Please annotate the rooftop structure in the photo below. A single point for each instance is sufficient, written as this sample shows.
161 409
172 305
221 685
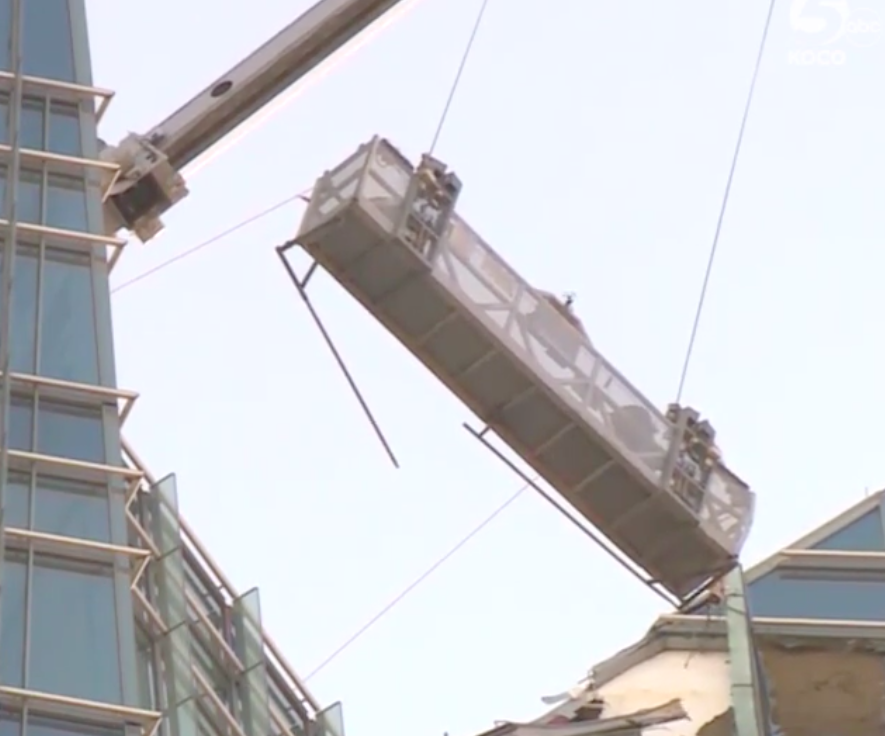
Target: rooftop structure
818 621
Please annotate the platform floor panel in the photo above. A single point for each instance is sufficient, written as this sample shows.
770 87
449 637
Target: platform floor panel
526 372
392 285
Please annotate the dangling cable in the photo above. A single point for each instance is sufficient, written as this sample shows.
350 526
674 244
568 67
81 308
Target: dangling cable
458 75
715 246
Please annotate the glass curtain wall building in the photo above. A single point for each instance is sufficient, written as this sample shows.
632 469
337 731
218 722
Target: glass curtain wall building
113 621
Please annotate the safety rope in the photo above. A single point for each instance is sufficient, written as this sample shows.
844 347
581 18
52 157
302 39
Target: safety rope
715 246
454 89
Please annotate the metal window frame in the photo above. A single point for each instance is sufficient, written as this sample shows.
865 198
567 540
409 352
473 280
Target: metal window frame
75 94
278 669
62 163
76 470
62 706
72 392
828 561
232 664
69 92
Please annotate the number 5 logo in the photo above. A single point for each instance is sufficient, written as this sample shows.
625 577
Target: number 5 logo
819 16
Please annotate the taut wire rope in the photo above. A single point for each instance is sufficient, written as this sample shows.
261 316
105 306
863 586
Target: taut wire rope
714 248
301 195
460 73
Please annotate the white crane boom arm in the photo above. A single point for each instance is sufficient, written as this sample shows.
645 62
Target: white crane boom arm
150 182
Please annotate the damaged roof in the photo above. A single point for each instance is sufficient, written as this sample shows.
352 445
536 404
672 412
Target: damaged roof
634 722
703 630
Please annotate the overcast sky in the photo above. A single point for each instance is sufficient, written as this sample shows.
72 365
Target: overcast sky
593 139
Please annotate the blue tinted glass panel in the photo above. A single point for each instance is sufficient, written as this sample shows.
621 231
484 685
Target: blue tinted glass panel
5 33
862 535
21 424
64 130
47 42
24 310
33 124
30 185
10 723
28 204
73 631
68 347
837 596
23 339
16 504
72 509
12 622
68 431
38 726
66 203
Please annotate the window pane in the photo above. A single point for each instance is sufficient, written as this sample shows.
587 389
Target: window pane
787 595
16 503
68 431
5 33
863 535
30 184
144 654
66 203
67 344
21 424
33 124
40 726
23 337
12 622
72 509
73 631
28 203
47 41
24 310
64 130
10 723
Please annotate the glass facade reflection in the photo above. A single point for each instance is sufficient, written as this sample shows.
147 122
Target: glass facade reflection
113 621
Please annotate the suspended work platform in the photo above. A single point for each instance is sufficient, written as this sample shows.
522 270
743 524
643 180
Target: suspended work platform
387 231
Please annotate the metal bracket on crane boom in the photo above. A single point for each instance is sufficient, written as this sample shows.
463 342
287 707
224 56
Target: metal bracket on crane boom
146 185
149 181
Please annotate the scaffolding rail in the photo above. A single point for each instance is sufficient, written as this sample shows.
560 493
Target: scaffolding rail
388 232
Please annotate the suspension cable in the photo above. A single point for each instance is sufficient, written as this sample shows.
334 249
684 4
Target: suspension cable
230 231
214 239
396 600
458 75
715 245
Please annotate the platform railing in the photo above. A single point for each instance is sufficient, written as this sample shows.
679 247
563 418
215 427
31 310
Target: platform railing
558 353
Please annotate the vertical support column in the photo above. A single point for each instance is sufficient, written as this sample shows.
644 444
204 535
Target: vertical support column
252 685
180 704
745 699
7 250
2 547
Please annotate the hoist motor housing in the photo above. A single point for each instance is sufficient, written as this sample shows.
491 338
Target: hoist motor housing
144 187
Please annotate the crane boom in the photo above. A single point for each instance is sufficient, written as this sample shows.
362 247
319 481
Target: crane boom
150 182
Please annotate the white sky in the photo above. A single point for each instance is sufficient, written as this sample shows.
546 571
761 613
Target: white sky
594 140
